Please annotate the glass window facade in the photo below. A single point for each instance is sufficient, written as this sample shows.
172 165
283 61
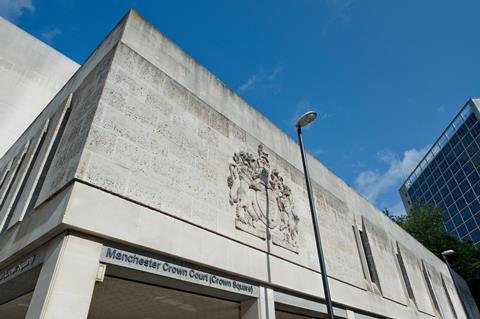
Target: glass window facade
450 178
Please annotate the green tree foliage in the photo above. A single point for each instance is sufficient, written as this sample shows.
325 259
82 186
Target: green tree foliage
424 222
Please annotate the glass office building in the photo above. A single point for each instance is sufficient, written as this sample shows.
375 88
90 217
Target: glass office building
449 175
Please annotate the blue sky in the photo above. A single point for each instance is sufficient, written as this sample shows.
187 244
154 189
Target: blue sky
385 76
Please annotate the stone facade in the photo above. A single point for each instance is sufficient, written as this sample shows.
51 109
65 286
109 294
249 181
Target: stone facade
155 153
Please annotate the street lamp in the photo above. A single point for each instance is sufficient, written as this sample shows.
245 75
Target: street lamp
304 120
444 255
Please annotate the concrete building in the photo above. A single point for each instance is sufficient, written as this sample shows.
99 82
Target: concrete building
148 189
31 73
449 175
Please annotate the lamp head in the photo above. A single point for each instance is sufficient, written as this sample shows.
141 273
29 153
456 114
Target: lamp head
448 253
306 119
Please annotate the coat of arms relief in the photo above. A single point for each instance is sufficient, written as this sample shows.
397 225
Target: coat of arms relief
263 203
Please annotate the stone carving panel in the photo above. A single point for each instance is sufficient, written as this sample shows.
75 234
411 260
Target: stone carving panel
263 204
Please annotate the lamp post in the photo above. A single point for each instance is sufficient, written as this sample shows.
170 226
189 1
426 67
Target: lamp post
445 254
304 120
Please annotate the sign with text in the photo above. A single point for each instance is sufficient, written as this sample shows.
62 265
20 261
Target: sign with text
22 266
162 267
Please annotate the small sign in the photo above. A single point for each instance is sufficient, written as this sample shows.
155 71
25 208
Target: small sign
20 267
162 267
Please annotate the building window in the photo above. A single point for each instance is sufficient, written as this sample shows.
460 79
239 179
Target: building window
472 149
370 263
462 230
473 178
469 196
4 176
361 254
475 236
403 270
50 153
450 303
11 181
428 282
471 225
468 167
30 163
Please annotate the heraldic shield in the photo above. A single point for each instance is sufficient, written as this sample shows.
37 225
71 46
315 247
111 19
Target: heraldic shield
263 204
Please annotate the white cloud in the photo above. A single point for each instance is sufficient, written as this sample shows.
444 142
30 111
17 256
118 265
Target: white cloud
14 9
341 7
50 34
373 183
259 77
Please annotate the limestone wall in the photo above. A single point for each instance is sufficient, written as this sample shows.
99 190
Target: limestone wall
165 135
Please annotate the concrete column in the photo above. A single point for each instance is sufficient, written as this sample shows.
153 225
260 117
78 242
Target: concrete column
261 308
65 285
